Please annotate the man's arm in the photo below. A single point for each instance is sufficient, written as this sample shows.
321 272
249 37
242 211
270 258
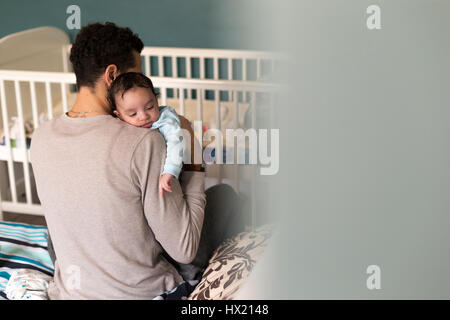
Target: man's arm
176 218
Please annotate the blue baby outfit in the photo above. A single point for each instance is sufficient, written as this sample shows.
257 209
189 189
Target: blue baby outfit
169 126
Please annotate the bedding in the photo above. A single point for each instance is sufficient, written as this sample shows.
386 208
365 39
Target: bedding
231 264
23 246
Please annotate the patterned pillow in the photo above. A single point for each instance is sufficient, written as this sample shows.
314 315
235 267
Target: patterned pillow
231 265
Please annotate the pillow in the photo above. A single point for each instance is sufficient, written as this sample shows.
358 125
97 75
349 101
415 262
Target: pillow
231 264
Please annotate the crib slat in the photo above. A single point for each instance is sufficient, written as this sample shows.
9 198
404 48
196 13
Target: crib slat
176 91
258 69
64 96
160 66
11 175
244 77
34 105
188 68
164 96
200 118
188 75
216 71
48 93
202 72
218 116
216 68
235 165
271 109
200 105
147 66
253 167
174 67
236 114
202 67
65 59
182 110
252 109
230 77
219 151
23 141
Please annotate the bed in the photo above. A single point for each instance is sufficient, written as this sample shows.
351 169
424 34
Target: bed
215 89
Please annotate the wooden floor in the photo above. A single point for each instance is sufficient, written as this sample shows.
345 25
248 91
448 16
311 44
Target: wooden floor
24 218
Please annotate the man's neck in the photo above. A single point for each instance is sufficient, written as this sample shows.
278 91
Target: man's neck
90 103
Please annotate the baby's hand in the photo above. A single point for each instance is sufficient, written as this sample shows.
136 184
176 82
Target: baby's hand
165 183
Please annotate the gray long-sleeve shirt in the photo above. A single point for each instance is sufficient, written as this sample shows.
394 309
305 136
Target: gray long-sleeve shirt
97 180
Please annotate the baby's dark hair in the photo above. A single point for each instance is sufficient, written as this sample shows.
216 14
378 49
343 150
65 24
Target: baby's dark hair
125 82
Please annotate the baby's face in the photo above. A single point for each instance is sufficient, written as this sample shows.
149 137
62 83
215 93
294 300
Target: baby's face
138 107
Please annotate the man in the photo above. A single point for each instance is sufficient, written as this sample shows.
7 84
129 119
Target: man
97 180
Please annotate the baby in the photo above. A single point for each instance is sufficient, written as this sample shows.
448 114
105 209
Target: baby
133 100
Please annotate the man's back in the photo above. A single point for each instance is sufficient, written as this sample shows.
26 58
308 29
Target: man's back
97 181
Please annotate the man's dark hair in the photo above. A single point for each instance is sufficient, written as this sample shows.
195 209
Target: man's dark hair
99 45
125 82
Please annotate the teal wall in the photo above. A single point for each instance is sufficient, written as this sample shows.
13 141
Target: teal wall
176 23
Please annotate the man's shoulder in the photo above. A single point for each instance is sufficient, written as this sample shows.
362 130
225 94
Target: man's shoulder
150 137
129 132
42 130
131 138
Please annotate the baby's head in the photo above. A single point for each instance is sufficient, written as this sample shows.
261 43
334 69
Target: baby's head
133 99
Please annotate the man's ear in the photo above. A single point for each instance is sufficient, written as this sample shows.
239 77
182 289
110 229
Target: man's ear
111 73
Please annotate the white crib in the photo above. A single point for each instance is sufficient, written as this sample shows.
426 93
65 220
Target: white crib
218 87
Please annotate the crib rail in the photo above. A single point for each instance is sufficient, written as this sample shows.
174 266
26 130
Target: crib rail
203 64
24 83
217 64
212 63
